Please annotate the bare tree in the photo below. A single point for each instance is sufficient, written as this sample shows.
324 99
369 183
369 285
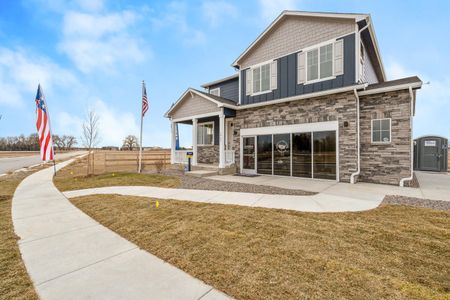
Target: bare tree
90 136
70 141
130 142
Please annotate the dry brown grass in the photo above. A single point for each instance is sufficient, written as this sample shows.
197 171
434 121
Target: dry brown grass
14 280
393 252
73 177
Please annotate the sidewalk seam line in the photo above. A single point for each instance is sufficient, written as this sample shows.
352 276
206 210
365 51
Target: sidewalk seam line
57 234
87 266
207 292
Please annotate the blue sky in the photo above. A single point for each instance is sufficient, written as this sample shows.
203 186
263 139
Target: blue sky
95 53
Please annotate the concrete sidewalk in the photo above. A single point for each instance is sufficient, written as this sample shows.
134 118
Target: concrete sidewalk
322 202
70 256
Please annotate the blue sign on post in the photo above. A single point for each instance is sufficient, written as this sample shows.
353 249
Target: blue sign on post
189 155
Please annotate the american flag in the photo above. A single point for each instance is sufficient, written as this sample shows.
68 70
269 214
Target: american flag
144 99
43 127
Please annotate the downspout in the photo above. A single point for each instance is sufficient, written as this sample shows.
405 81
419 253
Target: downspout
358 170
411 177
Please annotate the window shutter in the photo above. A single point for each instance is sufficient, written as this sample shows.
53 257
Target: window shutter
339 57
248 82
301 74
273 75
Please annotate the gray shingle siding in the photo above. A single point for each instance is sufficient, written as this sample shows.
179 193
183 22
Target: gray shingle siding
228 89
287 77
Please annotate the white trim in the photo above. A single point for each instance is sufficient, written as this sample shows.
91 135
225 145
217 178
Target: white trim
405 86
240 87
292 129
172 141
259 65
194 142
241 165
390 131
208 84
312 48
295 128
206 123
221 139
192 91
227 121
215 89
356 17
200 116
303 96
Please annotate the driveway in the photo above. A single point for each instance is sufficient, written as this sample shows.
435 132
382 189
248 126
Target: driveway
434 185
10 164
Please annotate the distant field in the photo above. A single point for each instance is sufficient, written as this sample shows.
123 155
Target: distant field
4 154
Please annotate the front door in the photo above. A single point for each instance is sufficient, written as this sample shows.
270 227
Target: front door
248 155
431 154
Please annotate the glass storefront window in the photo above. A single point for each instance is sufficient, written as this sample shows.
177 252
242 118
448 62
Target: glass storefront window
264 154
282 154
324 158
301 155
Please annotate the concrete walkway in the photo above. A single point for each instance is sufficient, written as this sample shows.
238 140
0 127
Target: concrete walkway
434 186
70 256
323 202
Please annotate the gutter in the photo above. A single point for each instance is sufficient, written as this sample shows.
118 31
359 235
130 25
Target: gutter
358 170
411 177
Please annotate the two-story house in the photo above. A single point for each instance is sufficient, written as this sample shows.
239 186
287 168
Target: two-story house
309 99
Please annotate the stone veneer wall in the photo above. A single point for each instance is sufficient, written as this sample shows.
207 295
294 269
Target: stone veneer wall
386 163
208 154
340 107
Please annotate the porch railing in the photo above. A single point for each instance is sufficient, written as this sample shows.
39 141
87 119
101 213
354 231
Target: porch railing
180 156
229 157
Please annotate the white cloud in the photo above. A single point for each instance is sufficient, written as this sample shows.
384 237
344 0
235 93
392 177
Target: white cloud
176 17
21 71
270 9
215 11
101 41
91 5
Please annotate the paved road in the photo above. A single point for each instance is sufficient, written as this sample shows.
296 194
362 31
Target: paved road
14 163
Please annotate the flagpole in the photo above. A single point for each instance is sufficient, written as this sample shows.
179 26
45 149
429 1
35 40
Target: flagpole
50 129
140 139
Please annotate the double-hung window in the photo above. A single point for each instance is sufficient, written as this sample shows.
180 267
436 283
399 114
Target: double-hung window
319 62
205 133
215 91
261 78
381 131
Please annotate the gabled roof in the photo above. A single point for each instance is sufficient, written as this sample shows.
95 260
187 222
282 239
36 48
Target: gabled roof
413 81
354 16
205 85
219 101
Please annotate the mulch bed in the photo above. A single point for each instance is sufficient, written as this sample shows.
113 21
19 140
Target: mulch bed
202 183
417 202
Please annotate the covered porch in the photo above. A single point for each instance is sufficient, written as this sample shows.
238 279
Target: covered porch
211 118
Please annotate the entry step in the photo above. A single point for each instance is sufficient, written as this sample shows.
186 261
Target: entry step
202 173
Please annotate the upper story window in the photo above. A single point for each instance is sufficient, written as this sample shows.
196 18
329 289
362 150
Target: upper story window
319 62
381 131
261 78
205 134
215 91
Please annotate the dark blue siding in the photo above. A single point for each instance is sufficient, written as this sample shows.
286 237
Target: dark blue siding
287 77
228 89
214 119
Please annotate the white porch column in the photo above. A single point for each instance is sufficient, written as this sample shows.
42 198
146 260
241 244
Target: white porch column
194 141
172 141
221 140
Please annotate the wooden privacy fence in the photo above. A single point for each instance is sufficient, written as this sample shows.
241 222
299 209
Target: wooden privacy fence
127 161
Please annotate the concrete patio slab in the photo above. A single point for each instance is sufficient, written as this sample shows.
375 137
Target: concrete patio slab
70 256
